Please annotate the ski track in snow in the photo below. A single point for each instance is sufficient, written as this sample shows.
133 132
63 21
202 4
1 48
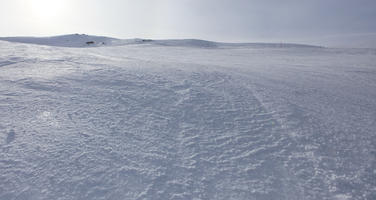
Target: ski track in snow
146 122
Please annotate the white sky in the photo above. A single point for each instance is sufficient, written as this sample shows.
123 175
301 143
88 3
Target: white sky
220 20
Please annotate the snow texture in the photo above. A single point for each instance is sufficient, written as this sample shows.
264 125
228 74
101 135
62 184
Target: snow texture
185 119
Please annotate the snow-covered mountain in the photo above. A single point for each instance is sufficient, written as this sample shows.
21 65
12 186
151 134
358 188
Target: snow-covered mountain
163 120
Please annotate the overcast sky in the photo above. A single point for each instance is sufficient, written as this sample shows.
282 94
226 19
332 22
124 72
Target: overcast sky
220 20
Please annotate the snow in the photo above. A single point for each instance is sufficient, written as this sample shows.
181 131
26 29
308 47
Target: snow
83 40
185 119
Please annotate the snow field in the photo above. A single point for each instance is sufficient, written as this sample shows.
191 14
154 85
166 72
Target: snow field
176 122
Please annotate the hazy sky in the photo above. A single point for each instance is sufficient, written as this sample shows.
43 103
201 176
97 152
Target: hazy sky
222 20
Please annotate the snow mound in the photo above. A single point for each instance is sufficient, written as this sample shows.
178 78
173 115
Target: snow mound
186 43
73 40
83 40
210 44
268 45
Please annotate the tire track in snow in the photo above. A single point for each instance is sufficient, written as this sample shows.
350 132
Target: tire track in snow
301 159
227 145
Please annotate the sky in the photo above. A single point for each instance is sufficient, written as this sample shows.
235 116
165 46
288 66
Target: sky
218 20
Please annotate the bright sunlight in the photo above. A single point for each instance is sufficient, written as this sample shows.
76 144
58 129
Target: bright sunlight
48 10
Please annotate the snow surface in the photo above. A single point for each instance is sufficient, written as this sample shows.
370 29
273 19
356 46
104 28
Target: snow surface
83 40
164 120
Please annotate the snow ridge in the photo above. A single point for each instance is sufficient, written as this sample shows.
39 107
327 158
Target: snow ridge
83 40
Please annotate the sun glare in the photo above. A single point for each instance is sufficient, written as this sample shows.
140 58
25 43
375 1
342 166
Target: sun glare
47 10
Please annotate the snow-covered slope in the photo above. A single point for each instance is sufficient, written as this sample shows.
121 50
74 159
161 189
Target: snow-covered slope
173 122
73 40
82 40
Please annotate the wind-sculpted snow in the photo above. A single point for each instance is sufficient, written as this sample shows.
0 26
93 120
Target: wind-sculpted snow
157 122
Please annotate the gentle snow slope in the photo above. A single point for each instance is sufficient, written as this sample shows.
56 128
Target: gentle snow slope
73 40
82 40
171 122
